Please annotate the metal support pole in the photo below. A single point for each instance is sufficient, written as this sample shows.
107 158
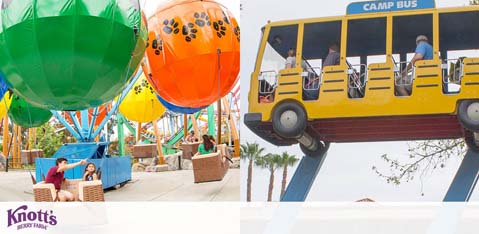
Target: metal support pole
218 138
92 123
84 125
195 126
138 132
76 123
185 125
15 146
121 137
67 125
211 120
114 107
6 135
161 158
303 178
30 139
465 180
19 150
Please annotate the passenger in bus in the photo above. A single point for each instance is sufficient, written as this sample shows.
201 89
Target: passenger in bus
312 80
266 92
333 56
291 60
423 51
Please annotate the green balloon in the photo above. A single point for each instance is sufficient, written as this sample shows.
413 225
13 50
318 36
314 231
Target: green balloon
70 54
24 114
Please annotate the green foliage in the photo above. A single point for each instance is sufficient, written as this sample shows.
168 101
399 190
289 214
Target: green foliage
28 166
48 140
269 161
251 151
287 160
424 157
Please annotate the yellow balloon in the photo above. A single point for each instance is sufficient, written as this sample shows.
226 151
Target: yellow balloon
141 103
5 104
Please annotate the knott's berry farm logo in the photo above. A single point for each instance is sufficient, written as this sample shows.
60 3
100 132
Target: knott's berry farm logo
23 218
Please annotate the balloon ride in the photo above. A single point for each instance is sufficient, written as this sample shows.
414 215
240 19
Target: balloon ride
193 52
70 55
141 104
24 114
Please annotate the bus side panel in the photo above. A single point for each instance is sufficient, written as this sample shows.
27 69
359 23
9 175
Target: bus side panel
380 81
334 86
289 85
470 80
428 79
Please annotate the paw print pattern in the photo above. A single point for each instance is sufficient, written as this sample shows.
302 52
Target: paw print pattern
157 46
201 19
220 28
143 86
237 32
171 26
189 31
137 89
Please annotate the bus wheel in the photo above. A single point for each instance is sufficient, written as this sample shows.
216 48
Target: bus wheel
472 141
468 113
321 148
289 120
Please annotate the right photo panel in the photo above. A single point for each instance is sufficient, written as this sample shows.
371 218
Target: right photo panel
347 101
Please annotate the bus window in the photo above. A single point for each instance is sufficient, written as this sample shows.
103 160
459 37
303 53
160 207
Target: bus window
400 66
280 40
405 31
366 37
317 40
458 40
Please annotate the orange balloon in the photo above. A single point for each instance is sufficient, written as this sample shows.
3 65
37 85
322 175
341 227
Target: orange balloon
193 52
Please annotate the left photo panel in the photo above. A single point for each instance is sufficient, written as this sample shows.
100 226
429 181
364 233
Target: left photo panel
119 100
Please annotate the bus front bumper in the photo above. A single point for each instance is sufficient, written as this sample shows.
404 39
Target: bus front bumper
265 130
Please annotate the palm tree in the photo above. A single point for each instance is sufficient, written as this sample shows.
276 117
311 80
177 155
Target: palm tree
270 162
250 152
287 160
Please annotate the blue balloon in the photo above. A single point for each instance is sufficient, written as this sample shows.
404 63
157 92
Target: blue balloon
3 86
179 109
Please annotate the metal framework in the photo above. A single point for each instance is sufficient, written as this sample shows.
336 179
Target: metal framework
460 189
84 131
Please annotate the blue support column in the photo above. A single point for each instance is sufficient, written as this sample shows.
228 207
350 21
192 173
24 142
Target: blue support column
93 119
465 180
84 124
67 125
75 121
84 129
303 179
114 108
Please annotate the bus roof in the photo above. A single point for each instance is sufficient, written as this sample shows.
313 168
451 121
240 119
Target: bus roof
388 6
373 15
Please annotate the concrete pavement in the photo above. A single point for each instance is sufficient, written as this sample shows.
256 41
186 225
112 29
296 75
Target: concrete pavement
144 186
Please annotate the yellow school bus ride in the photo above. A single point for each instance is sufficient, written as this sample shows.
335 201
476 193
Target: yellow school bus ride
313 105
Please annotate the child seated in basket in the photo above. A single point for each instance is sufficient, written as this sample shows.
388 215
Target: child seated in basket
90 172
56 176
207 147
